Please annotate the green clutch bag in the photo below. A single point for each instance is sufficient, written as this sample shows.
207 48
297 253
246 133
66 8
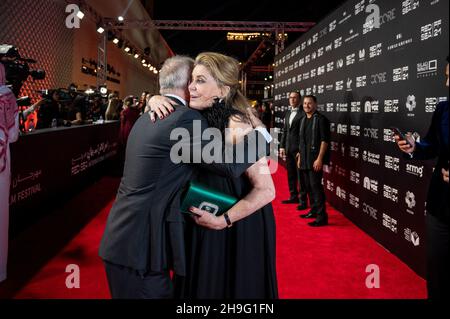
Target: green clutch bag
210 200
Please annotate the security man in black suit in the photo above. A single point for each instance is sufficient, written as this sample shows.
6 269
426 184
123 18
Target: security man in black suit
289 149
144 235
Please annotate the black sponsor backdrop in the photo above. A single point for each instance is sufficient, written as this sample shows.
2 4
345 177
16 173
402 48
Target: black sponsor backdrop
48 166
368 80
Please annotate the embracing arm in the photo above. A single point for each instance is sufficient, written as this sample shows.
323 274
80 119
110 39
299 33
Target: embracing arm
232 161
262 193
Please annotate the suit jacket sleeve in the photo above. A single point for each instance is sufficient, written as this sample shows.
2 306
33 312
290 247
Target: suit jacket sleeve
231 164
428 148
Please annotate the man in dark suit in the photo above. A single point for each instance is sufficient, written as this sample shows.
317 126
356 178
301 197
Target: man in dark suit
143 239
314 153
435 144
289 149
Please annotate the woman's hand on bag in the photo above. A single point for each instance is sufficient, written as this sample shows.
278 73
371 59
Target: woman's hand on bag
208 220
160 106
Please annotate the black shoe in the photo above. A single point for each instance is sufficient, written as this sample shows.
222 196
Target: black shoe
319 223
292 200
302 207
309 215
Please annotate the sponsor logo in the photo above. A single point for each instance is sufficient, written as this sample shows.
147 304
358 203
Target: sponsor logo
349 84
330 67
409 5
341 193
332 127
330 186
342 129
392 163
354 152
431 30
400 74
414 170
371 185
338 43
427 69
361 81
371 211
388 135
390 223
371 107
401 42
355 107
412 237
376 50
334 146
350 59
371 133
390 193
370 157
360 7
410 200
339 85
355 130
391 106
411 103
332 26
355 177
378 78
353 200
321 70
341 107
362 55
432 102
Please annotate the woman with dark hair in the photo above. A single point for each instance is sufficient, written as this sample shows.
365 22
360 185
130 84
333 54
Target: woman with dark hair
238 260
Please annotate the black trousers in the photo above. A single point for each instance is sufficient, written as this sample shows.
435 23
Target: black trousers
316 193
295 179
126 283
438 266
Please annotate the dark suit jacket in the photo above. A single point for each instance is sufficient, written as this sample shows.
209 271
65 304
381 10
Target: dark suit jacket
435 144
144 230
320 133
290 134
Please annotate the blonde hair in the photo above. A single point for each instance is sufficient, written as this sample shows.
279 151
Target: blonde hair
225 70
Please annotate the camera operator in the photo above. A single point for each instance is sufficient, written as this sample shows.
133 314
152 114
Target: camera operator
9 133
50 110
435 145
76 113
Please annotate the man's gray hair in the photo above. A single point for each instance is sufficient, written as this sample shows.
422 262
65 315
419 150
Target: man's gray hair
176 73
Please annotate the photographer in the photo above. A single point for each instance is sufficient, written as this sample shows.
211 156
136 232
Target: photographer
435 145
9 133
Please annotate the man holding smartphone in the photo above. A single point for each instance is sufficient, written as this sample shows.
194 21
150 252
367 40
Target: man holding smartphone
435 144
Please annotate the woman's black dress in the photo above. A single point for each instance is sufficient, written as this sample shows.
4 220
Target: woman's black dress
237 262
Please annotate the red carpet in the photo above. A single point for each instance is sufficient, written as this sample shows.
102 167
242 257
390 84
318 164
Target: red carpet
318 263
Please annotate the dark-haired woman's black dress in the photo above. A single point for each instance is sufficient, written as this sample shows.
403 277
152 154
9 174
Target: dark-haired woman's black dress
237 262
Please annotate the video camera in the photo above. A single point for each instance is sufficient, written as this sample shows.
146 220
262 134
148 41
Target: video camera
17 68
